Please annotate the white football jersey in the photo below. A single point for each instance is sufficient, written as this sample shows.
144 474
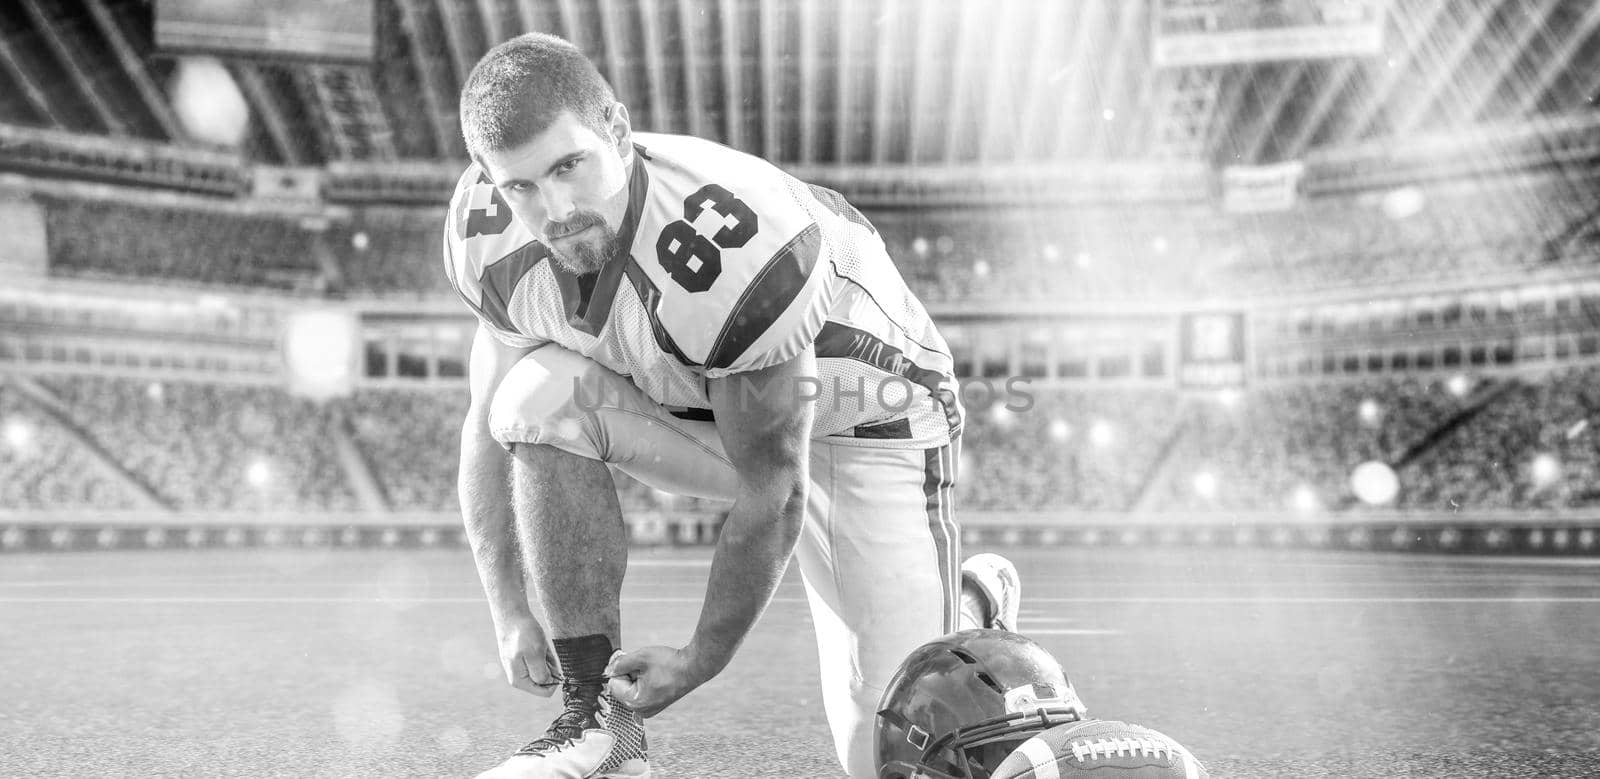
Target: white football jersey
732 266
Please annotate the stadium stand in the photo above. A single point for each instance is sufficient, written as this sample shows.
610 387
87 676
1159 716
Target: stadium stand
1072 449
112 239
43 468
411 439
213 447
1512 224
1273 441
397 251
1533 448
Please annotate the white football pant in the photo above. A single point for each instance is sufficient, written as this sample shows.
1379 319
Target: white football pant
880 552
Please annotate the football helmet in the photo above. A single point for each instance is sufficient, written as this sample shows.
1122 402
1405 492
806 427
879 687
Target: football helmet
961 703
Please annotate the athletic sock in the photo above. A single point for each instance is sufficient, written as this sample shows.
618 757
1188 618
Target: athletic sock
584 658
974 607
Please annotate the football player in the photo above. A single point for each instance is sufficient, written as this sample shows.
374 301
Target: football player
713 327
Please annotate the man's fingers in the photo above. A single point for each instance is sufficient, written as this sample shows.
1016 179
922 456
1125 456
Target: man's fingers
629 665
518 673
623 689
521 682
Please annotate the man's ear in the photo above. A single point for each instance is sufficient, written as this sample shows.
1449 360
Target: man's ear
622 129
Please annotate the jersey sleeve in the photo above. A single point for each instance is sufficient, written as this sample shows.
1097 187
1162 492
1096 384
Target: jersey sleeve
477 219
771 292
781 312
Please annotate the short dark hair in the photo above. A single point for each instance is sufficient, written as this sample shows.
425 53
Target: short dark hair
519 88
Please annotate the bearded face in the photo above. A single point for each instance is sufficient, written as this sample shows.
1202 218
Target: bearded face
582 244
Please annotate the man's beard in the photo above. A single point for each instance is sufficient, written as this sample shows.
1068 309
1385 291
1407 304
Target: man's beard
587 254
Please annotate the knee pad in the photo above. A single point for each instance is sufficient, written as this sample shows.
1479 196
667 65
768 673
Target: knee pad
539 402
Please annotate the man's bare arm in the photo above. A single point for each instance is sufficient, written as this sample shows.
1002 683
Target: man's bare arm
485 487
765 423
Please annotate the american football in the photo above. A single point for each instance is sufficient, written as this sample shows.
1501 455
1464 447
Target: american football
1103 749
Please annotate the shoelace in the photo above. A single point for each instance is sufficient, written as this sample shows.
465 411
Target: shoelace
582 703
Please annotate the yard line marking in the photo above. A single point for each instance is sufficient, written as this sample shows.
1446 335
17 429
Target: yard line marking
1071 632
329 600
1292 599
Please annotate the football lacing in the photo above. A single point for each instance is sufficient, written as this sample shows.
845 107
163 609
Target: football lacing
1120 747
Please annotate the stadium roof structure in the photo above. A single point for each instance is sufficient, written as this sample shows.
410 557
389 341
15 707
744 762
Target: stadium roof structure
838 82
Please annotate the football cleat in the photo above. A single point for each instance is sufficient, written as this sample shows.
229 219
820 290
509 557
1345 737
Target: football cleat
997 579
594 737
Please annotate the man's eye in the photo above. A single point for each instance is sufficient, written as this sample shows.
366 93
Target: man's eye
568 166
519 187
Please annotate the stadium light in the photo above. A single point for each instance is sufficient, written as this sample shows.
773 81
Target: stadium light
1546 470
1108 114
360 241
1404 203
1205 484
1371 413
1228 397
208 102
155 391
319 352
1375 483
980 268
1458 385
18 433
1304 499
1060 430
258 474
1101 433
1159 244
1050 253
919 246
1083 259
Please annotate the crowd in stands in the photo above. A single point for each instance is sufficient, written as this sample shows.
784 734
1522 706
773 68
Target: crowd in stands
42 467
165 243
411 438
1266 448
1497 443
1087 450
213 447
1533 447
1099 253
391 250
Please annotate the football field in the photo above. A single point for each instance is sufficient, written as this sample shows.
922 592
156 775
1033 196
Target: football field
343 663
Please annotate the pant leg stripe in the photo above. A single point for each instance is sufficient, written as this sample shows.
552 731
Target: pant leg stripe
948 503
936 488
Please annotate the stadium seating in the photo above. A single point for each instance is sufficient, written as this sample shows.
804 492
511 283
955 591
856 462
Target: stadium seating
1510 443
213 447
112 239
411 437
1073 449
947 255
43 468
397 253
1265 449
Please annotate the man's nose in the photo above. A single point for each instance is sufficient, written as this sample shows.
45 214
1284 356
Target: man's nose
557 204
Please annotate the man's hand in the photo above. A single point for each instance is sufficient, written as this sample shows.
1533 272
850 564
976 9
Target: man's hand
650 679
525 657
